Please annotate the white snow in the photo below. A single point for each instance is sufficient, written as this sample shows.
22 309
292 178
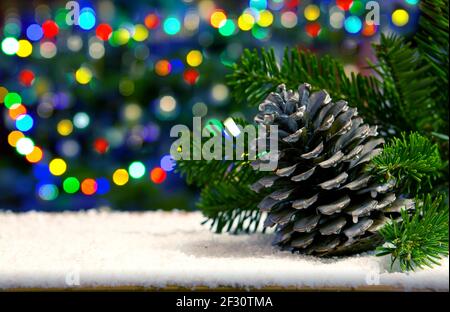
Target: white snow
163 249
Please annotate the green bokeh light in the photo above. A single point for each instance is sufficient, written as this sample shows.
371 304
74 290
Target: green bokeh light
11 99
227 29
71 185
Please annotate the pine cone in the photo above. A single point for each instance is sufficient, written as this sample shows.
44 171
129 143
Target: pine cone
323 201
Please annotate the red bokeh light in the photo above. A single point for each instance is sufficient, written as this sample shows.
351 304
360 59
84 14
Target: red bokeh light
26 77
313 29
101 145
103 32
158 175
152 21
191 76
344 4
50 29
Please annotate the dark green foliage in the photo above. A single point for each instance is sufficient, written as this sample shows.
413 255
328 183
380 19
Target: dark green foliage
230 205
225 198
406 85
259 73
432 41
419 240
412 160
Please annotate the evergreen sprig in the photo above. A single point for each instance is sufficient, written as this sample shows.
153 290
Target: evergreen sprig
407 85
419 240
412 160
230 205
259 72
226 199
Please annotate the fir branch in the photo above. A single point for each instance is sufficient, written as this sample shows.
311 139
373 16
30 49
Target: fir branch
203 172
432 38
258 73
419 240
412 160
231 205
226 199
407 85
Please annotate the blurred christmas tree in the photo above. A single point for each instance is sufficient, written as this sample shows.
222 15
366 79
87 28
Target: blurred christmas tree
102 95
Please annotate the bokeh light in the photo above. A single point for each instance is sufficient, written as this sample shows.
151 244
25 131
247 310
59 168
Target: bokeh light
103 32
172 26
26 77
103 186
101 145
10 46
167 163
120 177
136 170
35 156
163 68
24 123
194 58
57 167
64 127
344 4
400 17
14 136
227 28
191 76
16 111
246 21
81 120
48 192
289 19
86 20
71 185
353 24
34 32
152 21
83 75
265 18
88 187
25 48
312 12
50 29
24 146
158 175
217 18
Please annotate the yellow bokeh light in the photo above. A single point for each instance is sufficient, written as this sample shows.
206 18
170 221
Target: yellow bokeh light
140 33
194 58
400 17
15 136
57 166
25 48
312 12
246 21
3 93
35 156
64 127
265 18
122 36
120 177
83 75
217 18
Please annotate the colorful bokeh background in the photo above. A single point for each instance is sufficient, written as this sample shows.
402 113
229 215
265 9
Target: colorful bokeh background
86 109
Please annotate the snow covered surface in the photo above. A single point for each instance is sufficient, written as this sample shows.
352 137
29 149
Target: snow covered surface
168 249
